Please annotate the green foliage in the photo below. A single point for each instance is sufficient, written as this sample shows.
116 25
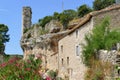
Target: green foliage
17 69
100 4
4 37
44 21
63 17
25 30
52 74
56 16
83 10
100 38
43 31
66 16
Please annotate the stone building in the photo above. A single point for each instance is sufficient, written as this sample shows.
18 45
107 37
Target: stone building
63 50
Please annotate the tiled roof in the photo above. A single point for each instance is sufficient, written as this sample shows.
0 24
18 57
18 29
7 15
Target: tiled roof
87 17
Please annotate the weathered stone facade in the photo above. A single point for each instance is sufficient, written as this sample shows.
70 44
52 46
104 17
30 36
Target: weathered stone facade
70 53
26 18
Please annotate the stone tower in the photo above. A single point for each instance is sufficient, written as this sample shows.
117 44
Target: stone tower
26 19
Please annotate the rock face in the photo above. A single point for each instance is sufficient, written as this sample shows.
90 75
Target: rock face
34 42
44 45
26 21
53 26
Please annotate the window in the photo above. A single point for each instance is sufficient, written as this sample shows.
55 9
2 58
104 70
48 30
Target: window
76 33
61 48
77 50
62 61
67 60
56 59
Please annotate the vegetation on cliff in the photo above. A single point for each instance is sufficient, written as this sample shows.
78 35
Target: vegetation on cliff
100 4
68 15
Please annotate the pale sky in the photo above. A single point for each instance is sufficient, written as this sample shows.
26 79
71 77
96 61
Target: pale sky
11 15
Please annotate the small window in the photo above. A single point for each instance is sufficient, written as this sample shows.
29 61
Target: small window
62 62
46 62
76 33
67 60
61 48
56 59
77 50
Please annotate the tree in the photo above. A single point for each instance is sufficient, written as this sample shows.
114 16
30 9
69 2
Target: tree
66 16
100 4
4 37
45 20
56 16
82 10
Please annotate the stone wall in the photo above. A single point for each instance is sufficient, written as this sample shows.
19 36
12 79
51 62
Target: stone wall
107 56
113 14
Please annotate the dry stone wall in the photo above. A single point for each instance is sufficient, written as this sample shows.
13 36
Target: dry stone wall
107 56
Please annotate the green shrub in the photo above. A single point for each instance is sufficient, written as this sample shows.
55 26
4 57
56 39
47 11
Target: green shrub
83 10
100 4
43 31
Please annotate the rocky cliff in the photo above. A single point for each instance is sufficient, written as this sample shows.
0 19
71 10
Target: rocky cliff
33 38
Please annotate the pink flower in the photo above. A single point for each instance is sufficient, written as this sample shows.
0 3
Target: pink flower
48 78
28 61
13 59
18 65
38 56
3 65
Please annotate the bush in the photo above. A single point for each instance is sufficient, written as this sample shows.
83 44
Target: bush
100 4
17 69
44 21
83 10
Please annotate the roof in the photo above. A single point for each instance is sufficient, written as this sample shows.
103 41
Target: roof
87 17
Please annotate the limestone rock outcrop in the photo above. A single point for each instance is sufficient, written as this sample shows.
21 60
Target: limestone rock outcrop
53 26
33 40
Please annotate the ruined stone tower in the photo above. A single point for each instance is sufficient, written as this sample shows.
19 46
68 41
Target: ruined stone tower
26 19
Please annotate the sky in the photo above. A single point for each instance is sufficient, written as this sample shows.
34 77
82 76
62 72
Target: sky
11 15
